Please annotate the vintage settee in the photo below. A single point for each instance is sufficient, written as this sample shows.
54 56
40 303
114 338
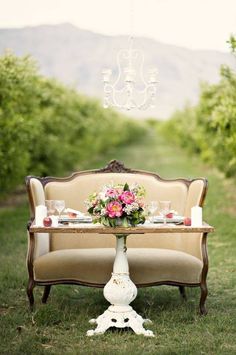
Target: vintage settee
154 259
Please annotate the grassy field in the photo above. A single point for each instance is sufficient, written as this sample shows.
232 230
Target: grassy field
60 326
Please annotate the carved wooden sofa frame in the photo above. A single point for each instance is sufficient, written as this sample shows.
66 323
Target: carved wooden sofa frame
190 250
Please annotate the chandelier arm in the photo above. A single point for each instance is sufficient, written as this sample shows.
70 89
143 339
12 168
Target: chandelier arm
113 96
146 98
112 93
141 69
109 87
114 102
119 66
115 91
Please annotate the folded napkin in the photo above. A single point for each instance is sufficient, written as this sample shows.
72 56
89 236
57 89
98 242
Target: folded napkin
79 214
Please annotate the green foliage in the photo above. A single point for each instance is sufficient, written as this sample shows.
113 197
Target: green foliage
232 42
47 128
18 105
209 129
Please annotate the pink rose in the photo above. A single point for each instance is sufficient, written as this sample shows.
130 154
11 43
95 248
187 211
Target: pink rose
114 209
127 197
111 193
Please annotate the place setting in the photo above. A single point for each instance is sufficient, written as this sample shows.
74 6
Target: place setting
55 214
160 212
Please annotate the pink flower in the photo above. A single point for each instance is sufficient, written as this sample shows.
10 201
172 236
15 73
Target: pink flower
111 193
141 203
114 209
127 197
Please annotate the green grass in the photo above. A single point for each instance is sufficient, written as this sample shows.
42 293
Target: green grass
60 326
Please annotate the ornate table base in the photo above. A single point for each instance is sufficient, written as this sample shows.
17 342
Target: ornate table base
120 291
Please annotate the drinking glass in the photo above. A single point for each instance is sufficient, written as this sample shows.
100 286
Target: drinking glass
50 207
164 209
59 206
152 207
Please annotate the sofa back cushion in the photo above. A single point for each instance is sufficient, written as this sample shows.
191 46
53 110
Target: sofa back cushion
77 190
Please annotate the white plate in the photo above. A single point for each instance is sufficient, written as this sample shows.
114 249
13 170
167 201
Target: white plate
160 219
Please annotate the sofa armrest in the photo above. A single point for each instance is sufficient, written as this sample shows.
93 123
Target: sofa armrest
196 194
37 197
36 192
192 243
38 244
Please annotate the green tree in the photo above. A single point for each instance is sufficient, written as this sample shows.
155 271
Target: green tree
47 128
209 128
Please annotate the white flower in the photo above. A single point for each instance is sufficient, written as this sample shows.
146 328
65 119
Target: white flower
134 187
135 206
103 212
131 208
102 195
88 204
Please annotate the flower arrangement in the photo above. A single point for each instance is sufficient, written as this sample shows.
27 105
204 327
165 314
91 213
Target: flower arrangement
119 205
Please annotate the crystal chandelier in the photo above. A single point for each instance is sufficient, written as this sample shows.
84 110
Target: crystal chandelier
130 90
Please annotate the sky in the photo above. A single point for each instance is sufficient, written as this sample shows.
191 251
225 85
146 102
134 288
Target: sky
195 24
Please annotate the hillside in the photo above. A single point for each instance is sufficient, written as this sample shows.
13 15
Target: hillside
77 57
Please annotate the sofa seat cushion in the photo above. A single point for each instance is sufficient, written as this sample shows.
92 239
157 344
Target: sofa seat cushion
147 265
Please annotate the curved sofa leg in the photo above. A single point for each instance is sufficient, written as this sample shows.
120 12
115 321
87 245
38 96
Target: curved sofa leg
30 294
46 293
204 292
203 284
182 292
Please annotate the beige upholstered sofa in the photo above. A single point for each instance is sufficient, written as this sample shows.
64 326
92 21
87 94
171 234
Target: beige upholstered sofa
154 259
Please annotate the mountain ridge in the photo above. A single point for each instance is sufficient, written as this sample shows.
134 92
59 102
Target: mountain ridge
77 57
